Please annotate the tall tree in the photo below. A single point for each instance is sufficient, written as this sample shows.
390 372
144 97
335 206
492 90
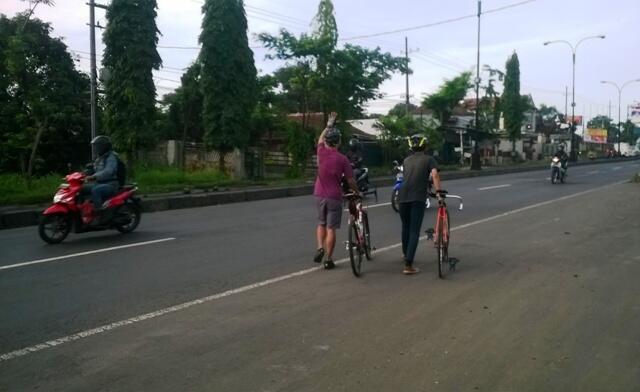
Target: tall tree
629 133
130 56
605 122
44 110
228 76
324 24
448 96
512 102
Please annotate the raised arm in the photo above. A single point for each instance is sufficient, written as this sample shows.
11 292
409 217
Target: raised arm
436 179
330 123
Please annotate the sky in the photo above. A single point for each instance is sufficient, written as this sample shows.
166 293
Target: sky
437 52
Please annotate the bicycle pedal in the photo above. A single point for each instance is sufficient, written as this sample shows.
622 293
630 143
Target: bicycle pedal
430 233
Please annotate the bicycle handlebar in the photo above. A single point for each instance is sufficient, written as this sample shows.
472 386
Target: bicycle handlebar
445 195
352 195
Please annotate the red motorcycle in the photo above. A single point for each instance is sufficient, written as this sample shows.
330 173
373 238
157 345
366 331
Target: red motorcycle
69 210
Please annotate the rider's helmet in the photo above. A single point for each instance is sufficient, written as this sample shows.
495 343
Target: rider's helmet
332 137
417 142
354 144
561 147
102 144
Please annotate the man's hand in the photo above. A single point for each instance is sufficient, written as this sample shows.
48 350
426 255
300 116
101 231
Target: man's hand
90 178
332 119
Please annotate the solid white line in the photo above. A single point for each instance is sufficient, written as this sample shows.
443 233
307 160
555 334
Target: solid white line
91 252
494 187
105 328
616 168
594 172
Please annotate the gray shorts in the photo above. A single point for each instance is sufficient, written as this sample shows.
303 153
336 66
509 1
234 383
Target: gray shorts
329 212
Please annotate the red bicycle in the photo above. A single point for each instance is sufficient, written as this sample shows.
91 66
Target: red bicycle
441 235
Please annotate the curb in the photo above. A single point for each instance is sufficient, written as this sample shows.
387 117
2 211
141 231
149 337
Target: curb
30 217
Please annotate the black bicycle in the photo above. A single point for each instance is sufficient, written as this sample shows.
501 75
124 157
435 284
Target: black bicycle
359 243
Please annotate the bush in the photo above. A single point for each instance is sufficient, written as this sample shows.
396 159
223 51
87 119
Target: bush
14 189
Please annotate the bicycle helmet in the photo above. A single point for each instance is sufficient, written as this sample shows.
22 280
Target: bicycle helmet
332 137
102 144
417 142
354 144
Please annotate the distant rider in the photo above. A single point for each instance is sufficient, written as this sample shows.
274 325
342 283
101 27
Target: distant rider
563 156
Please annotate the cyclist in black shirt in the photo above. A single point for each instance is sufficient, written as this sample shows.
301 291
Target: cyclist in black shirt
412 195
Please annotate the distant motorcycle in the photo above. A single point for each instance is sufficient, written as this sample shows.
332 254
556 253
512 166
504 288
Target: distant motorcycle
558 173
121 212
399 170
362 178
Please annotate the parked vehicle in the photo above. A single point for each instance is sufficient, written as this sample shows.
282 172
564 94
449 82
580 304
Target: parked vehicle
71 210
558 173
398 169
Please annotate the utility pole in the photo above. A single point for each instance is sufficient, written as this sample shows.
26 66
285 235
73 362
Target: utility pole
94 95
566 101
475 158
406 56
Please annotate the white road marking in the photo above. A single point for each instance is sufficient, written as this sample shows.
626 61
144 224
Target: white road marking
616 168
91 252
594 172
494 187
108 327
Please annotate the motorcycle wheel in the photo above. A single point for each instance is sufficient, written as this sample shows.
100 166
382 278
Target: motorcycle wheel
394 201
554 175
53 229
127 218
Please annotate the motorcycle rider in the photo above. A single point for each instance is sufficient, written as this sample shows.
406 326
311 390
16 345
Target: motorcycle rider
332 167
417 168
563 156
103 179
354 154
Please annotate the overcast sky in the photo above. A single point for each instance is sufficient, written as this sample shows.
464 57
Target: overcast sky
438 52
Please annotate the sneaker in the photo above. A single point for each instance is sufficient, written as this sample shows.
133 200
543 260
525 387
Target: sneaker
329 264
319 255
410 270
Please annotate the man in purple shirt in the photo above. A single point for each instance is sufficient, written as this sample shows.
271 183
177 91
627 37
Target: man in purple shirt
332 167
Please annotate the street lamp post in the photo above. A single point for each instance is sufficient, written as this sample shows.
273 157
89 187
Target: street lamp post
620 88
574 48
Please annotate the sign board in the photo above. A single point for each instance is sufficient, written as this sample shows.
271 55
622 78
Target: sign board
595 135
634 113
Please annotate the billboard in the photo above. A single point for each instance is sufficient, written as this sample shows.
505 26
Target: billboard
595 135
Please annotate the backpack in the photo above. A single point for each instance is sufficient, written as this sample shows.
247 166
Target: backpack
121 172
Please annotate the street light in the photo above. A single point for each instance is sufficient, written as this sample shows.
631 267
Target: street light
620 88
574 48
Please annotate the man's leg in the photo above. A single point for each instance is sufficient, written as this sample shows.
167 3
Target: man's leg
330 243
321 234
417 215
334 218
100 193
321 229
405 217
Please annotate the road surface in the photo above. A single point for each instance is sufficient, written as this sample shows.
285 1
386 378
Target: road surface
226 298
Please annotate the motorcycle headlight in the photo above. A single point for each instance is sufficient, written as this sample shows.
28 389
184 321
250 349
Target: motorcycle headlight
555 160
57 198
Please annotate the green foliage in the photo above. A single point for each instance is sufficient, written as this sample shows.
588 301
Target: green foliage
320 77
44 105
130 56
605 122
300 145
228 76
512 102
16 190
443 101
400 109
325 26
394 131
629 132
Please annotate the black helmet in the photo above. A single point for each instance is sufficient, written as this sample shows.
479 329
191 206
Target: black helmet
102 144
417 142
561 147
332 137
354 144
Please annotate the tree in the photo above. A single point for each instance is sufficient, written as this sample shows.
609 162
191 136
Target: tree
512 102
448 96
550 119
325 26
605 122
629 133
228 76
44 112
400 109
394 131
130 56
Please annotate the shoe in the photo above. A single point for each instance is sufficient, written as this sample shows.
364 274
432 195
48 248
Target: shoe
319 255
329 264
410 270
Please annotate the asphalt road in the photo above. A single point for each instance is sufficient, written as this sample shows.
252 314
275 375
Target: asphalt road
225 298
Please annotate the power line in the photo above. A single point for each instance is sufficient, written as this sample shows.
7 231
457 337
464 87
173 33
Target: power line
433 24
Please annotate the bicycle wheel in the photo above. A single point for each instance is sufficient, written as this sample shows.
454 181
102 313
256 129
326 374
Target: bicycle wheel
367 235
443 244
355 252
